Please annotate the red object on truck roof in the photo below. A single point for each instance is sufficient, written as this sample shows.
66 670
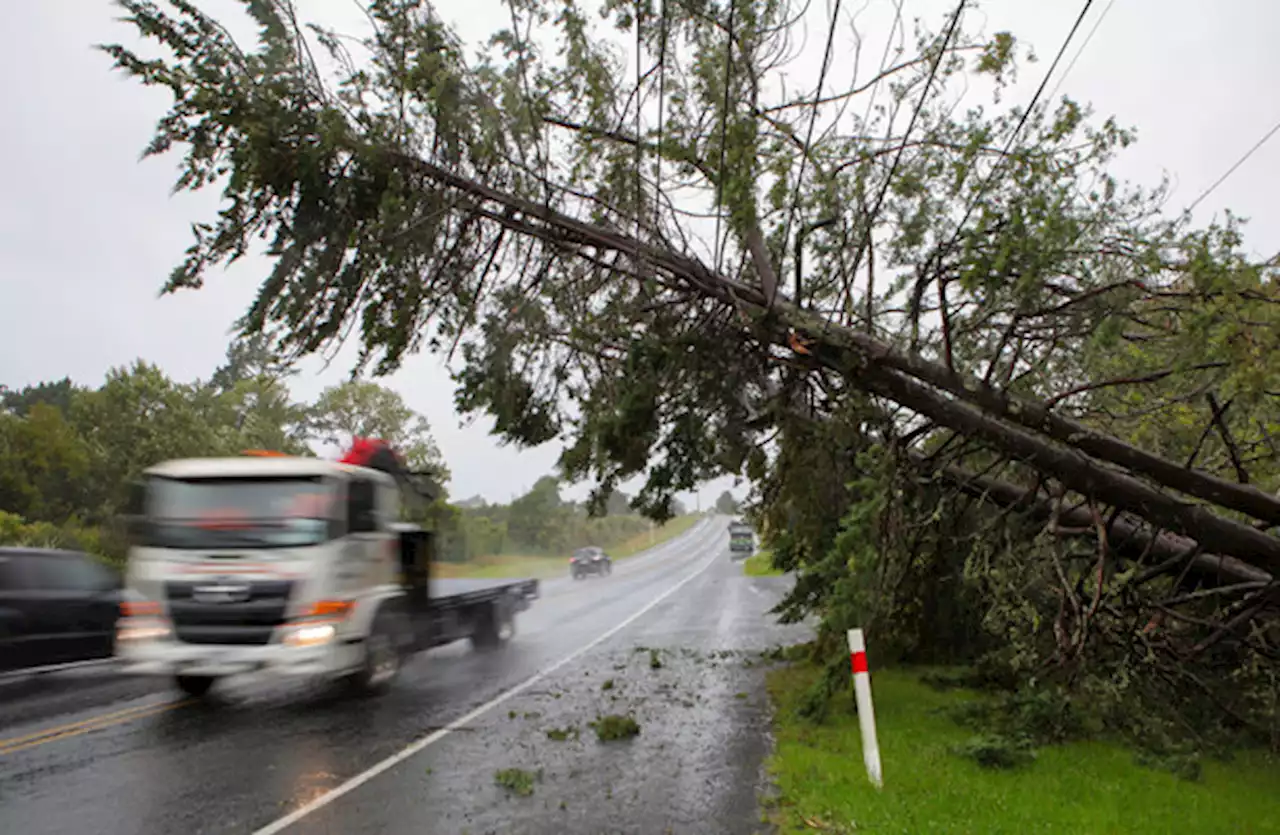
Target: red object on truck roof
376 454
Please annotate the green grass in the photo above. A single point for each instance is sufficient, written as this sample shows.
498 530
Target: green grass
760 565
1088 788
517 565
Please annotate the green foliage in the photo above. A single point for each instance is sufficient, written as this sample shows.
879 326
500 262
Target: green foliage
57 394
105 543
361 408
569 732
1037 716
990 751
727 504
140 417
615 727
43 463
759 565
517 781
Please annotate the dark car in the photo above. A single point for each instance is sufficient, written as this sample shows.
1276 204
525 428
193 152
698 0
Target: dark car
590 560
55 607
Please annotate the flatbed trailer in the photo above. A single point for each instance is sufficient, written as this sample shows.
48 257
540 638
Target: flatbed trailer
444 610
482 610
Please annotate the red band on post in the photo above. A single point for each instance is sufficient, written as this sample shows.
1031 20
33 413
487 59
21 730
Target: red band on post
859 662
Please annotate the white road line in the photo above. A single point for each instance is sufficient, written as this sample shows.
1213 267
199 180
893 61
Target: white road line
16 675
416 746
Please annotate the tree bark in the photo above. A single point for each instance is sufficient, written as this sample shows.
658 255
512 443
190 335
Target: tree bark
1243 498
1076 470
1131 533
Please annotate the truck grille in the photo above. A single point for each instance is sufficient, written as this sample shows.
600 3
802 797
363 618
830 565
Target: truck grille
247 621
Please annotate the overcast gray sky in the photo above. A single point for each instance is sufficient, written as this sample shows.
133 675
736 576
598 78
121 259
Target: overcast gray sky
87 234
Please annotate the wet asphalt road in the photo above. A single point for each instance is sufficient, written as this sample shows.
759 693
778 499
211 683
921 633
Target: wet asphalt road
677 632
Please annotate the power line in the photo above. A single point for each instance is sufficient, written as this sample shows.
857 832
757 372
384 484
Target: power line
813 118
897 158
1233 168
662 95
724 128
1017 130
639 135
884 62
1083 45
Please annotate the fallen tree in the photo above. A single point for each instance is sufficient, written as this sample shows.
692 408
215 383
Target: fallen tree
984 274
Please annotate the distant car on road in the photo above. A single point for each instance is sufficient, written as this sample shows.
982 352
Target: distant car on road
742 542
589 560
56 607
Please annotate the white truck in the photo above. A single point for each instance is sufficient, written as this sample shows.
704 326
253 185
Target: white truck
295 566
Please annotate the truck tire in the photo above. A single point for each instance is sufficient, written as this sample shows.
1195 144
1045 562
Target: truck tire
197 686
384 653
495 624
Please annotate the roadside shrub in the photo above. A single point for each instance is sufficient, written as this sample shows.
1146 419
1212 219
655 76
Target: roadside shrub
105 543
997 751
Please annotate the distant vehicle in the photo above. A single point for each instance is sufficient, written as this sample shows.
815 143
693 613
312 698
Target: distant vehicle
294 566
56 607
589 560
742 540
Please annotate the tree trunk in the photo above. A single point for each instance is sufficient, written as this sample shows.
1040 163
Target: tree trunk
1243 498
1078 472
1128 532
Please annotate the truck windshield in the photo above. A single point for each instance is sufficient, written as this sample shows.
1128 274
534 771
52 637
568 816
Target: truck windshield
240 512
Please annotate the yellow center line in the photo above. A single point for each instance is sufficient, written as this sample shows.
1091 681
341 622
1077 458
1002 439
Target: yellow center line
4 743
73 729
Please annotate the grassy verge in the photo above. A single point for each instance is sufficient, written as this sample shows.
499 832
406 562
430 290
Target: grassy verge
516 565
759 565
1078 788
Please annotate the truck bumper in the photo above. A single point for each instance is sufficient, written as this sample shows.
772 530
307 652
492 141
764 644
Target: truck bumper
170 657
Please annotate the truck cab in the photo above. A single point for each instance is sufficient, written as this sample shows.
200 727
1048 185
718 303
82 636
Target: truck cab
288 565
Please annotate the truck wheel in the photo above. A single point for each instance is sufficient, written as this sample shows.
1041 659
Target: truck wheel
383 656
495 625
194 685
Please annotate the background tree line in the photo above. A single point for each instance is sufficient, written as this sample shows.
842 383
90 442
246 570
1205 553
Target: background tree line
541 522
68 452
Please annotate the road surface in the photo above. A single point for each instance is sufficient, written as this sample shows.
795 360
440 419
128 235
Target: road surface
672 638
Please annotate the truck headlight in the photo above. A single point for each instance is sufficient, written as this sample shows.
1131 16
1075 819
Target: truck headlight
134 630
310 634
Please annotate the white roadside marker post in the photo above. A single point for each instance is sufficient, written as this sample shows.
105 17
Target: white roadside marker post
866 713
